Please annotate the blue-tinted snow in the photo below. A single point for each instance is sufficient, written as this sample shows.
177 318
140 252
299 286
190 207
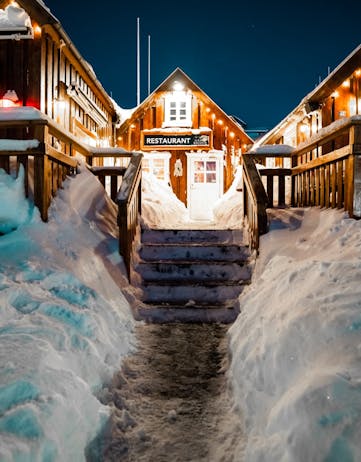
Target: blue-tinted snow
64 323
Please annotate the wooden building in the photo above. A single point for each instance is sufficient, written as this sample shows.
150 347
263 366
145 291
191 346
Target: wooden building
337 97
187 140
40 67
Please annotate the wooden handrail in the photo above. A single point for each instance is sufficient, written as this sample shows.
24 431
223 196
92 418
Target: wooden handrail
52 165
129 207
332 179
254 202
327 134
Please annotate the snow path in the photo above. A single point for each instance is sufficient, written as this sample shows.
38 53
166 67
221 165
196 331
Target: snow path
171 400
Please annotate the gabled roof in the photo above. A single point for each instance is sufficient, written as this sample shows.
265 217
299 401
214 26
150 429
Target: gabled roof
42 15
167 85
312 100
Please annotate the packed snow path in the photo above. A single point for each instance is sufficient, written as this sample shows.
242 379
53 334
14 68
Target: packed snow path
170 399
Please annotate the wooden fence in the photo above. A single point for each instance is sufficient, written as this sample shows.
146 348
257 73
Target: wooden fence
125 190
325 172
49 163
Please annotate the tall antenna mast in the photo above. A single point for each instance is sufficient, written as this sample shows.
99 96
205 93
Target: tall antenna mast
138 64
148 64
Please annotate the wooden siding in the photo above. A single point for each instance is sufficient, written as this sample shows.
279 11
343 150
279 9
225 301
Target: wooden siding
224 135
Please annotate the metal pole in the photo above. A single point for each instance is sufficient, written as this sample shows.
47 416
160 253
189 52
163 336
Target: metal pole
138 64
148 65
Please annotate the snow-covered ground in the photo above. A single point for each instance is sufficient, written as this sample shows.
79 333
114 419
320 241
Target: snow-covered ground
162 209
66 323
296 346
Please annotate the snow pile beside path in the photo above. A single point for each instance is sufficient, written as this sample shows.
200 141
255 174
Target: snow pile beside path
65 324
160 206
14 209
228 210
296 365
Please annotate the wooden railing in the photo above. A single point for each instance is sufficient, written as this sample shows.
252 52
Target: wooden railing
129 208
331 179
325 172
254 202
125 190
48 164
46 167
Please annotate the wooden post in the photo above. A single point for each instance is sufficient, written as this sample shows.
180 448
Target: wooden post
281 190
340 192
355 142
333 185
317 186
270 190
41 174
113 186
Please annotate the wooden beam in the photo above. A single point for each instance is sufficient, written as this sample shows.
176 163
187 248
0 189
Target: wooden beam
327 158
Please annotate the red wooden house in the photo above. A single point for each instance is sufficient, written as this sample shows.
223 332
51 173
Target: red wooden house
187 140
41 67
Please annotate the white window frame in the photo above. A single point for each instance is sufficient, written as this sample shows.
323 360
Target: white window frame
177 109
156 155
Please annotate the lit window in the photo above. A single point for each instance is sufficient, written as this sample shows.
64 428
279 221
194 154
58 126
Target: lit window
177 111
157 163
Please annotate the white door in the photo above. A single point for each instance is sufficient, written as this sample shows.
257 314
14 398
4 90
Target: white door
205 183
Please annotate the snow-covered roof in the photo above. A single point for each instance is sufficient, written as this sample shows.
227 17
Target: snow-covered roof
22 113
272 149
13 16
123 114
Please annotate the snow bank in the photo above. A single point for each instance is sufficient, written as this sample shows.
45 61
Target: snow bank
228 210
160 206
296 345
65 324
14 209
162 209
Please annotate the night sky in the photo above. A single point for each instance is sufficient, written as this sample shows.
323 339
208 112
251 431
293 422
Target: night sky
255 59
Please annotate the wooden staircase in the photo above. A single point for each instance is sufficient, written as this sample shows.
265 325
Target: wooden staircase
192 275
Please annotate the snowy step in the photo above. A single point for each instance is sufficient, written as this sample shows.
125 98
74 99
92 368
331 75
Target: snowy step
196 251
164 236
196 272
183 294
204 314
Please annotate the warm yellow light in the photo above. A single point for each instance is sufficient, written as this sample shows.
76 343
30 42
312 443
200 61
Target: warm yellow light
244 146
213 115
220 122
231 134
335 94
358 72
37 30
178 86
120 138
346 84
208 109
132 126
303 128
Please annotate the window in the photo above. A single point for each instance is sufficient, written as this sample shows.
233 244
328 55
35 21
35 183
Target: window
205 171
177 113
158 164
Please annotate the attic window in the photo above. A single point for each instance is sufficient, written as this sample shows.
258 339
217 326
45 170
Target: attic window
177 111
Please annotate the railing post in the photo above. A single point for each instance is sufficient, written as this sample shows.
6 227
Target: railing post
355 142
41 173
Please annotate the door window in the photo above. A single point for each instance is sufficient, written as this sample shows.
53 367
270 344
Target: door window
205 171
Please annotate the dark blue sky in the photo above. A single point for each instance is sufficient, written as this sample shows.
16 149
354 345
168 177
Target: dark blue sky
255 59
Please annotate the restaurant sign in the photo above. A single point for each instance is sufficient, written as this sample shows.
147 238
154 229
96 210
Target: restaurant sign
166 141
